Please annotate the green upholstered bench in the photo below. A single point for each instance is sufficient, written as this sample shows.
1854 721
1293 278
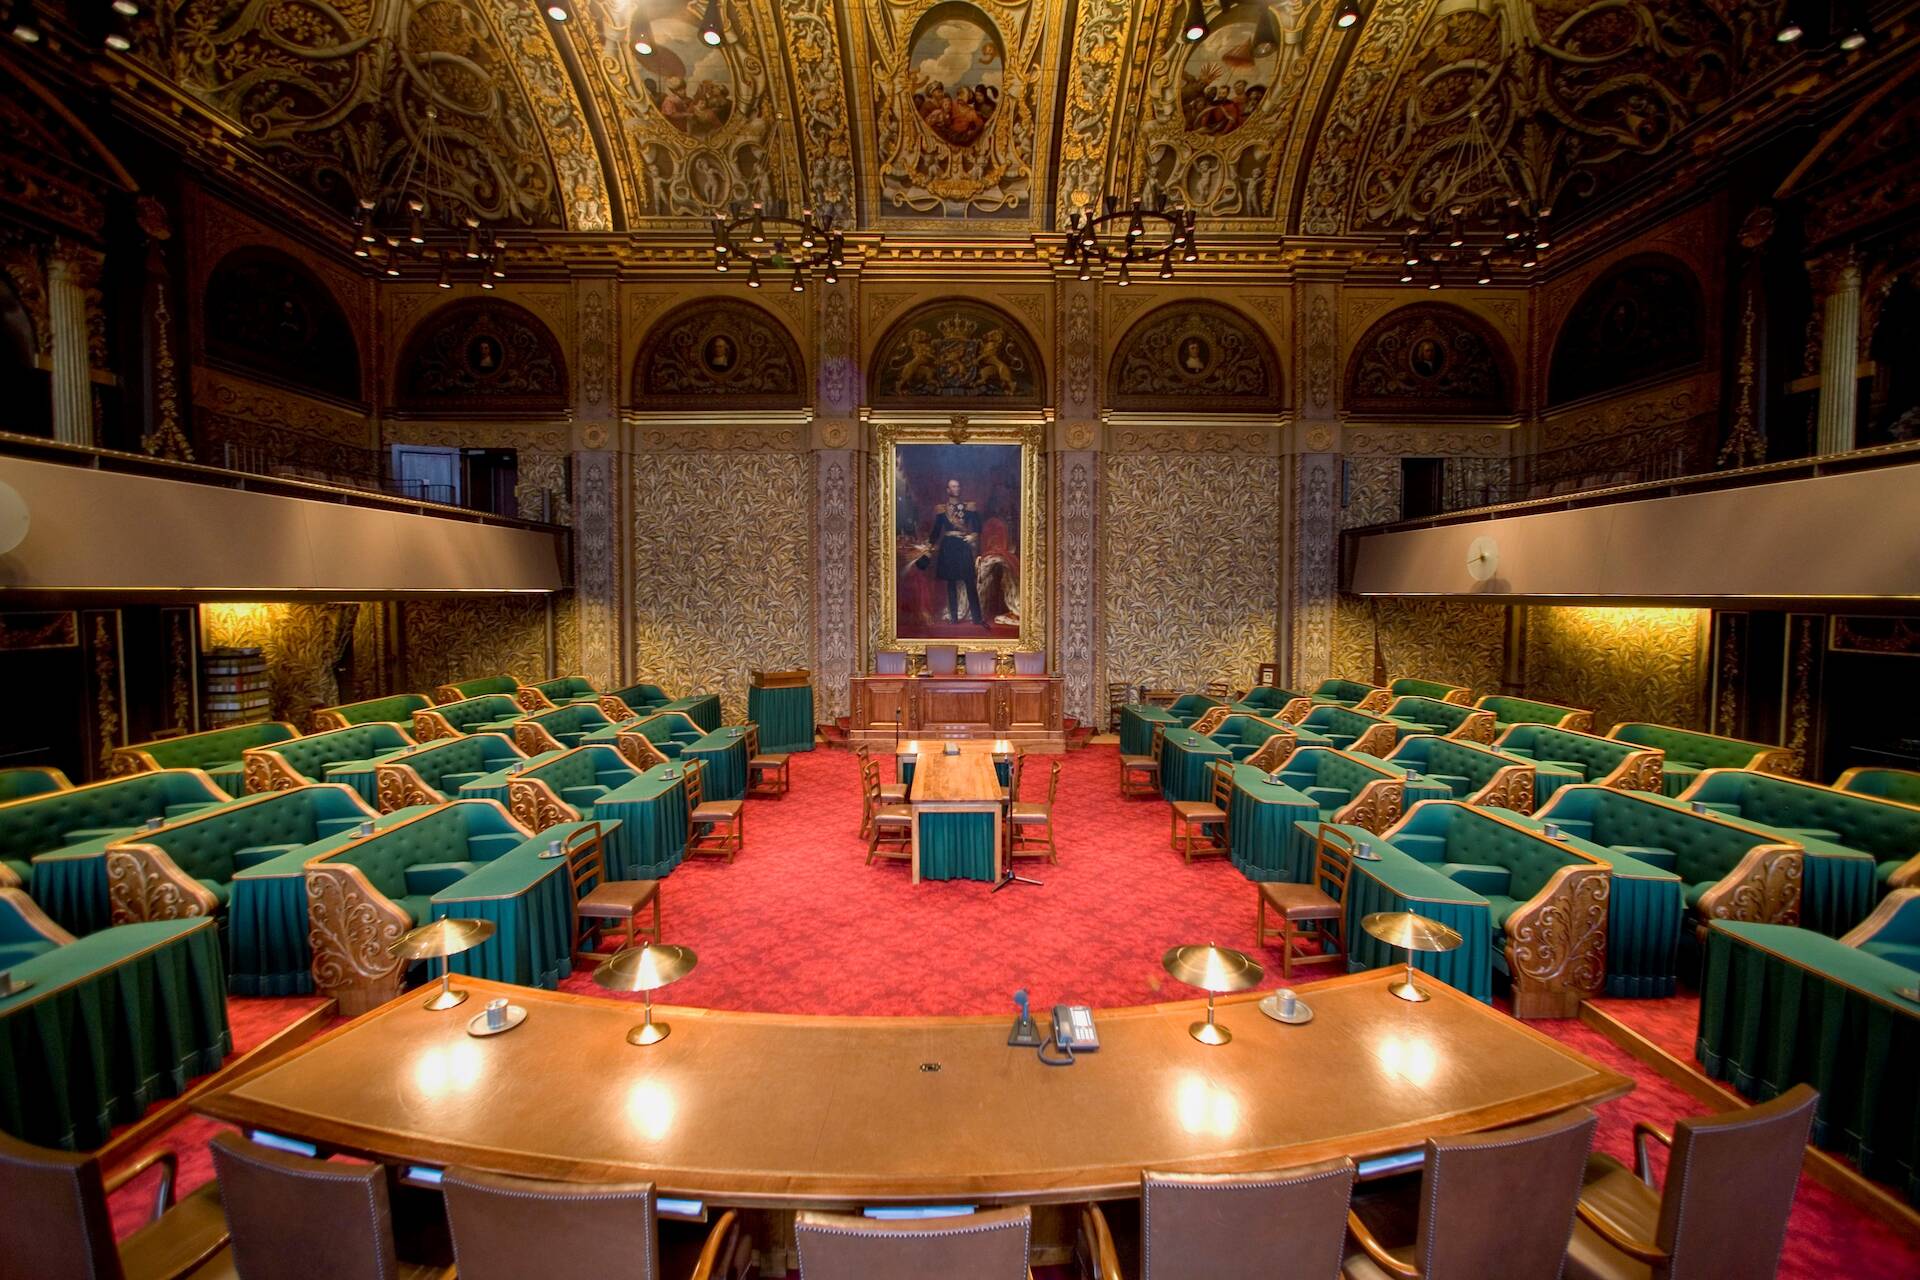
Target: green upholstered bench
1245 736
558 728
1345 729
488 713
1189 707
1902 785
1416 713
54 844
1892 931
1688 753
25 930
31 780
1509 711
1474 774
1547 899
395 709
301 761
434 772
564 787
363 894
548 694
1409 686
1350 789
634 700
1393 880
186 867
648 740
1274 704
1353 694
219 752
1625 766
479 687
1857 846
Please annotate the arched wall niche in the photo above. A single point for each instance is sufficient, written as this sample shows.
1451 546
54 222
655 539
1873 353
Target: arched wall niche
481 356
719 354
1430 359
1195 356
1645 317
265 315
956 352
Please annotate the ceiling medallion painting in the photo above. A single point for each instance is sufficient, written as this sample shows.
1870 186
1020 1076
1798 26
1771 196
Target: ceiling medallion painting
710 351
482 356
1427 359
955 352
1195 356
957 93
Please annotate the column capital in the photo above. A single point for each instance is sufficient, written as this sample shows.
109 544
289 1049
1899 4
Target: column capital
1836 272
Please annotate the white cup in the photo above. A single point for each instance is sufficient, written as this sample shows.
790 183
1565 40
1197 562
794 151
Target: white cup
1289 1002
496 1014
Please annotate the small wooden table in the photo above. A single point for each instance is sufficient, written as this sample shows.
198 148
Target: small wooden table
963 783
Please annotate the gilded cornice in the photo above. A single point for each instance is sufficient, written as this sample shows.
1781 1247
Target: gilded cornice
1252 438
652 436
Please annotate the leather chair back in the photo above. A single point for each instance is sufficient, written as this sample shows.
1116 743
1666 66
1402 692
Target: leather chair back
981 662
293 1218
513 1228
942 659
1028 663
55 1225
1239 1226
889 662
979 1246
1501 1203
1730 1185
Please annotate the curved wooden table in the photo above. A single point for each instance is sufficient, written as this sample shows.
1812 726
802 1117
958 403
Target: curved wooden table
790 1112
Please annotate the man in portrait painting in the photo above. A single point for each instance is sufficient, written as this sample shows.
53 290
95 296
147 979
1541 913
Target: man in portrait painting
956 542
1193 357
1428 358
719 353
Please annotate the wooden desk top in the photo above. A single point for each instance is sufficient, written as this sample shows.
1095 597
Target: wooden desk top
967 778
832 1112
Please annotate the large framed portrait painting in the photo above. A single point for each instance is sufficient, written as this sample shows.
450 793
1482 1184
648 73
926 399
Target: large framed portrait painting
963 536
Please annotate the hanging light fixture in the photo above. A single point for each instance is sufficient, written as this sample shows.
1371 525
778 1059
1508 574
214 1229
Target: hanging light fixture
710 31
430 225
558 12
1854 28
20 23
446 273
779 241
1148 234
1346 15
1791 28
1194 29
643 38
1486 267
753 275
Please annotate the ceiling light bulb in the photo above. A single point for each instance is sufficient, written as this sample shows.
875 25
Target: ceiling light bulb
1195 27
1346 15
1855 37
486 284
1086 272
446 276
1124 278
1790 30
118 43
798 285
753 276
558 12
720 263
126 8
710 23
1434 283
26 33
361 251
1406 277
1166 266
643 39
1529 260
498 269
830 275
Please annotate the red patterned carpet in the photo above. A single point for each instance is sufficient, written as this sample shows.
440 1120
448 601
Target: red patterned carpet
799 924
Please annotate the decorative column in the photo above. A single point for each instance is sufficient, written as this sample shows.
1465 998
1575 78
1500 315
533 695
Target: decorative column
67 278
599 536
1839 354
1312 534
1075 481
839 464
164 436
1745 443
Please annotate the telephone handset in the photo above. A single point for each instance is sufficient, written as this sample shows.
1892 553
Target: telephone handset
1073 1029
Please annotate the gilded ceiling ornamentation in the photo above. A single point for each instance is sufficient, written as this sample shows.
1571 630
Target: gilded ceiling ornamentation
708 353
1093 85
959 95
1198 356
1427 358
955 351
482 356
815 54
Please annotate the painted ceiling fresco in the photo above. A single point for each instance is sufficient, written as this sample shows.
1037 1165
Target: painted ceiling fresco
933 116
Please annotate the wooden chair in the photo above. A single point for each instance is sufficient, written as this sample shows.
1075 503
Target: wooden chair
989 1245
1030 825
890 662
294 1217
1730 1185
1015 764
767 774
56 1224
890 825
890 792
598 898
1191 818
717 827
507 1228
981 662
1490 1204
1323 913
1140 775
1223 1226
942 659
1118 696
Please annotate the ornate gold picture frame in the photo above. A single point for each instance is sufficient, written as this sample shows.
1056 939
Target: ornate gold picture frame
990 535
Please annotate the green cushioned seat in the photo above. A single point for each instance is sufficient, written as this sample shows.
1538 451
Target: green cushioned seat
254 855
1697 890
1499 908
1887 784
215 751
418 906
488 713
1344 693
1652 855
1906 954
578 796
1575 766
430 878
1486 880
18 953
310 758
220 889
454 781
484 686
1511 711
80 835
194 806
1427 848
1459 784
1328 797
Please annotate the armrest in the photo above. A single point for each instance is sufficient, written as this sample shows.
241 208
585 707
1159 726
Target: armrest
8 879
1294 712
430 726
533 804
143 883
399 786
638 751
1640 771
718 1249
531 699
1557 943
1101 1251
1510 787
169 1172
1375 806
1884 917
1906 875
1642 1131
1377 1251
1378 740
1764 888
533 739
31 916
1616 1235
1776 760
1375 703
265 771
352 925
615 708
1477 727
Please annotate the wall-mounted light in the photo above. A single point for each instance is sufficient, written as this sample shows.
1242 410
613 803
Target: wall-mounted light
1347 15
710 31
1194 29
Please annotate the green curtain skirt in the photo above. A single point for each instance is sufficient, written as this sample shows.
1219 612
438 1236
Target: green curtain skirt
1780 1006
652 834
114 1022
1392 884
903 766
956 846
1186 761
702 708
529 899
1835 893
267 936
726 760
785 717
1259 825
1136 727
73 890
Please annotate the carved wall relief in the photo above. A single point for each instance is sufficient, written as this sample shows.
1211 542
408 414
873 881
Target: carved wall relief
1428 358
719 354
1198 356
959 352
482 356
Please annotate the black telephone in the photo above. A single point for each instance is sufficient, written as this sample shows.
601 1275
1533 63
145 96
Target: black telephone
1073 1029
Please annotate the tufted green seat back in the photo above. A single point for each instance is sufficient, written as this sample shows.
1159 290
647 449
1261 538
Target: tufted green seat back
1406 686
1191 705
582 768
659 728
1442 755
1522 711
1601 756
311 755
1871 826
1886 784
439 835
1475 838
566 688
579 717
1341 720
1333 769
38 824
1693 748
1348 691
1704 850
480 753
198 750
482 710
204 846
1246 730
1269 698
485 685
1424 710
397 709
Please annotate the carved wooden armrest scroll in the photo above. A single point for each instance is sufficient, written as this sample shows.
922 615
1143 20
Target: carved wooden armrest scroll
351 925
535 805
266 771
128 760
616 709
1459 697
430 726
1510 787
1274 752
1375 703
1478 727
1763 889
533 738
1641 771
325 720
1578 721
1376 741
143 883
1783 761
531 699
1295 711
1906 875
399 786
1212 720
638 751
1376 807
1557 943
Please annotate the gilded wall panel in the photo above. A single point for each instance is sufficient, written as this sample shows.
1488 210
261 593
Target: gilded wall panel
1458 641
1191 586
472 636
306 647
722 569
1626 664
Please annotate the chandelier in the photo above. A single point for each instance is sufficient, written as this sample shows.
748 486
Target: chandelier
414 217
1151 234
1479 215
754 237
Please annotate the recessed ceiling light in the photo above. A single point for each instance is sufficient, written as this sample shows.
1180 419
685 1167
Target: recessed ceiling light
558 12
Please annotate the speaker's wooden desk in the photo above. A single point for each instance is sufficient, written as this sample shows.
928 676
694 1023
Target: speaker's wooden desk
1021 709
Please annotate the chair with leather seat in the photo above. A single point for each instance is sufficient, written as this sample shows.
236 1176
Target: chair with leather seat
889 829
295 1218
56 1224
1729 1190
991 1245
1488 1204
1321 905
717 827
942 659
597 898
1118 696
1030 822
981 662
1140 775
1200 826
514 1228
889 793
769 773
1233 1226
1028 662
